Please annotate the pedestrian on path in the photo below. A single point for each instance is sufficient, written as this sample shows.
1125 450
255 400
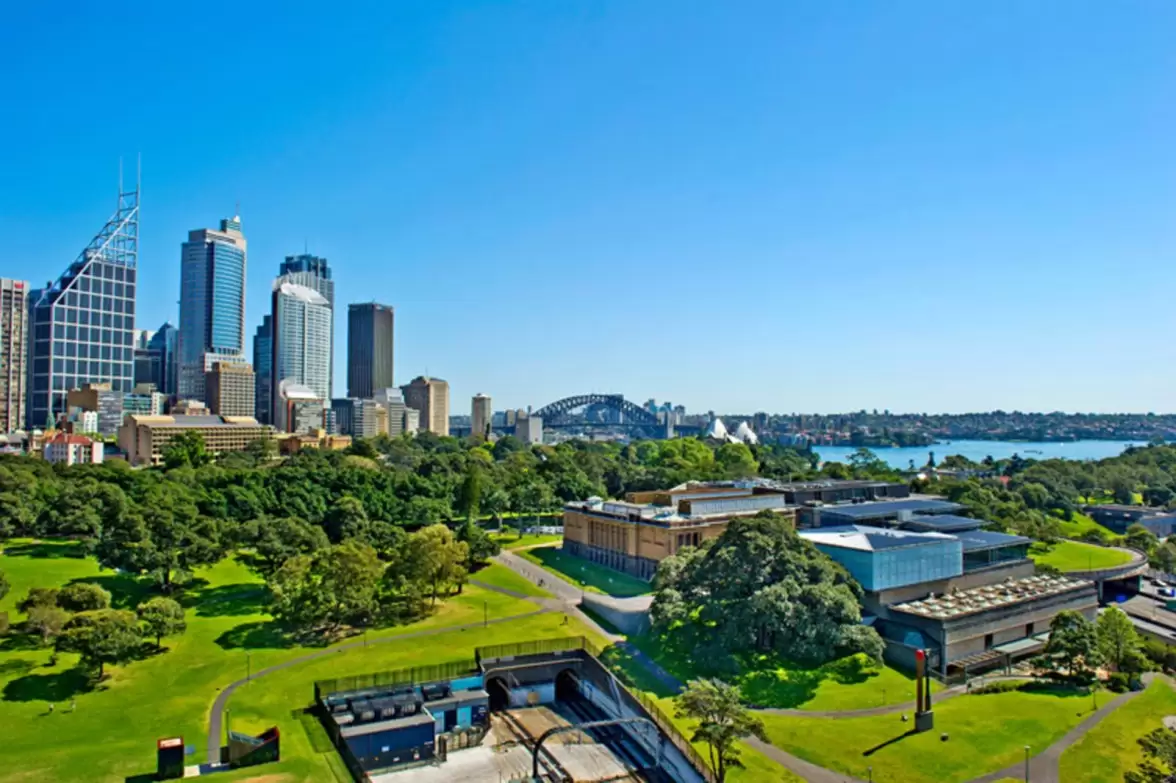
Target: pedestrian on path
50 708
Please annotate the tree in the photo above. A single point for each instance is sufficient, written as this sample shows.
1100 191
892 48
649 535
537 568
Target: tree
46 620
332 587
479 543
38 596
107 636
436 558
83 597
346 519
1117 640
759 588
1072 643
162 617
1159 758
722 721
736 460
1164 558
277 540
495 503
164 536
1140 538
185 450
5 585
470 497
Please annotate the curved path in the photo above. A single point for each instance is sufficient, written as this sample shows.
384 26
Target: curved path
216 715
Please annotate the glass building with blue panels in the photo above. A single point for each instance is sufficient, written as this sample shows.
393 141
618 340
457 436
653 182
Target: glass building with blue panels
882 559
81 326
212 304
263 370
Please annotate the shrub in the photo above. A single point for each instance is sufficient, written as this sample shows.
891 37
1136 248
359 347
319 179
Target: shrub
1006 686
1118 682
3 623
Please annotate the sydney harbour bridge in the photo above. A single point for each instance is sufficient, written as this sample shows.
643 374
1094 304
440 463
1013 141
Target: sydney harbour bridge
586 412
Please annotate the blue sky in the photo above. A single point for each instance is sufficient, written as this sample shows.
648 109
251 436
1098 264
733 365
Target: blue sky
783 206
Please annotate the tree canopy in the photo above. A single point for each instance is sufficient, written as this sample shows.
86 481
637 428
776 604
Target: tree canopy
757 589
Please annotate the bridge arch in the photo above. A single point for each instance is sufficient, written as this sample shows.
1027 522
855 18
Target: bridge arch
559 412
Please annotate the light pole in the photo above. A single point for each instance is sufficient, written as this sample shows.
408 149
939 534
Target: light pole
485 614
870 774
1026 764
248 666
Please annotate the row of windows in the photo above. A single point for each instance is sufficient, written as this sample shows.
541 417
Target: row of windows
63 313
118 335
78 295
107 271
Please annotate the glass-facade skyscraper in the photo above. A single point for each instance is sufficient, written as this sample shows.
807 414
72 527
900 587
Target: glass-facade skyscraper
301 344
369 349
82 325
212 304
315 273
155 360
263 366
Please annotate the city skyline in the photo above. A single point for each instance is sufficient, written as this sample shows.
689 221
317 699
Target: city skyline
822 169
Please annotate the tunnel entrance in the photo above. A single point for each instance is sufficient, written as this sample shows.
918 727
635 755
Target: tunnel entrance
567 686
499 694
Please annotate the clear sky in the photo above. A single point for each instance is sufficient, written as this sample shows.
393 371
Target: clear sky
738 206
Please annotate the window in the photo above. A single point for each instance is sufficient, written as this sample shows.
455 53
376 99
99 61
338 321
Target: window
988 641
1029 629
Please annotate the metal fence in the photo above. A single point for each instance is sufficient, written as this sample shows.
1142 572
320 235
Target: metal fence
411 676
536 647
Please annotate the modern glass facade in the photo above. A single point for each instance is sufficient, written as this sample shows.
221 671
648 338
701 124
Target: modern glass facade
900 566
212 304
301 341
315 273
155 362
369 349
263 365
82 332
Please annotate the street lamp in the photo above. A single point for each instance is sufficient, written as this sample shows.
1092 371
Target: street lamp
1026 764
870 774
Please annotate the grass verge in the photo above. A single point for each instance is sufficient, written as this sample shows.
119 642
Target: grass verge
594 578
1111 749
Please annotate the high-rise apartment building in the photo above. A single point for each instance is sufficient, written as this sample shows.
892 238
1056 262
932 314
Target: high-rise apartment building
14 348
263 370
369 349
212 303
481 416
229 389
301 344
429 396
155 359
314 273
81 326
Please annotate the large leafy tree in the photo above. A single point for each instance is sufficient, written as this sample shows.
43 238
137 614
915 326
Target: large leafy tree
760 588
277 540
185 450
162 617
83 597
164 536
436 558
1073 643
330 588
1118 642
721 722
101 638
46 621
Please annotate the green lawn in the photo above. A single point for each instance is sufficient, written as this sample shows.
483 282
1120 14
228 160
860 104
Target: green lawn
1110 749
594 578
511 540
1080 525
986 733
501 576
1077 556
756 766
112 734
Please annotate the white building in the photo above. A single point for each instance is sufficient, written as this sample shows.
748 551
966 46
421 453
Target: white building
69 449
301 344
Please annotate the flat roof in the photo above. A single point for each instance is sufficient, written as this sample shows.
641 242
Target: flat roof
885 508
980 540
457 697
359 729
866 538
942 523
1123 508
983 599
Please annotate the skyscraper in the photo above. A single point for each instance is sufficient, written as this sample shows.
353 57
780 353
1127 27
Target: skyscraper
14 348
369 349
155 360
429 396
212 303
314 273
263 366
301 343
230 390
81 326
481 414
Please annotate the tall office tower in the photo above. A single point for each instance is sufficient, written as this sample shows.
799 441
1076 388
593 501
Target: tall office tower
481 416
314 272
155 359
391 400
212 303
263 366
81 326
429 396
229 389
14 348
301 345
369 349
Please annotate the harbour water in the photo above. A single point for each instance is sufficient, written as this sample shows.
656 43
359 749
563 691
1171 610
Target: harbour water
977 450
